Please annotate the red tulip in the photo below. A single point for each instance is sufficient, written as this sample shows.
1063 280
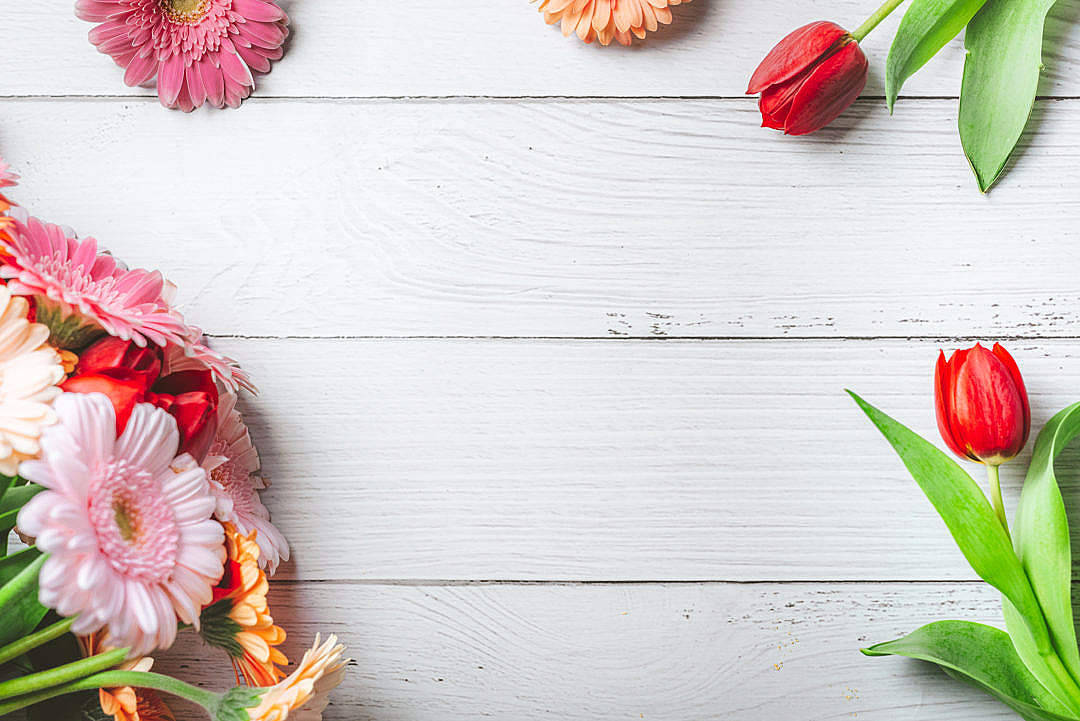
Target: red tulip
982 405
121 359
124 393
192 399
809 78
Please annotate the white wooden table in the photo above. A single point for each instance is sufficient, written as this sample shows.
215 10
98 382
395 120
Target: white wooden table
552 338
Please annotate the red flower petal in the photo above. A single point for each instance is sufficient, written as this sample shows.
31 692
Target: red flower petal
795 53
831 87
943 405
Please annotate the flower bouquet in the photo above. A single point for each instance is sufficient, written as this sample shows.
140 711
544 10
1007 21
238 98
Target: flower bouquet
984 416
128 473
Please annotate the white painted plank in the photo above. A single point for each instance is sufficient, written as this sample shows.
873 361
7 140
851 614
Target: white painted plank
579 219
593 653
610 460
357 48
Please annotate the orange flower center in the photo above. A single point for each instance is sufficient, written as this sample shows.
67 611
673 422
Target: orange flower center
185 11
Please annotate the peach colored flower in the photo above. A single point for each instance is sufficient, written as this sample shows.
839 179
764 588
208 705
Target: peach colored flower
306 692
30 371
605 20
239 618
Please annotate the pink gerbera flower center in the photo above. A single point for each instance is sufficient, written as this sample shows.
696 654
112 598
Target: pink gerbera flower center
59 269
136 528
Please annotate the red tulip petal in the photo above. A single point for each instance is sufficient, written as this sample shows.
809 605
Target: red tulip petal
1014 371
988 408
123 394
831 87
775 102
943 405
796 52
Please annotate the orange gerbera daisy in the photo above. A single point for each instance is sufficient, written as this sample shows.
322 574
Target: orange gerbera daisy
126 703
605 20
238 620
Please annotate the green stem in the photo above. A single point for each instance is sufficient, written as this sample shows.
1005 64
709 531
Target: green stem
111 679
995 497
61 674
18 648
872 22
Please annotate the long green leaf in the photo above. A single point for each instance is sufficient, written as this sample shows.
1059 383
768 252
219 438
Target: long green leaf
983 656
968 516
926 27
1001 76
20 610
1041 538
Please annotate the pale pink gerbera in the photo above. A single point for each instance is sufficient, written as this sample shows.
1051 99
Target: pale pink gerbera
81 293
607 20
126 523
233 466
199 50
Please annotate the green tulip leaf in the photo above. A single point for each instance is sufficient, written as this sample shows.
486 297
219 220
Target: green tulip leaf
982 656
968 516
926 27
1001 76
1041 539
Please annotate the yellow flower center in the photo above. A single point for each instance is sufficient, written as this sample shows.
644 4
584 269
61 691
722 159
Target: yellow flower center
185 11
124 521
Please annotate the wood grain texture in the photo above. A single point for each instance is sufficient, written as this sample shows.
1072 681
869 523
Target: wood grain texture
359 48
683 652
565 219
610 460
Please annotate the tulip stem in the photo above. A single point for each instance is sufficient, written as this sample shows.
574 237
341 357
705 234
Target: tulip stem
995 496
872 22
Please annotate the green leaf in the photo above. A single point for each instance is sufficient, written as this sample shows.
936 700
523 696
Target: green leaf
1001 76
982 656
17 497
20 610
926 27
1041 538
968 516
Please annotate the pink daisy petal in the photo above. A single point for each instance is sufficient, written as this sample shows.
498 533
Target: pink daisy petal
67 276
232 465
179 42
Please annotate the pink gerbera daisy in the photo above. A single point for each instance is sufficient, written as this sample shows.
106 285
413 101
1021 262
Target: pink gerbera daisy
196 355
233 465
81 293
8 179
199 50
126 523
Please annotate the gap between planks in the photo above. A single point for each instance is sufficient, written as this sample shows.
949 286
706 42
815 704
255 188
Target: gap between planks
358 99
452 583
661 338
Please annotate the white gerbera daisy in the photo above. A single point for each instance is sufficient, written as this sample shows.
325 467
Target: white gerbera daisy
29 373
